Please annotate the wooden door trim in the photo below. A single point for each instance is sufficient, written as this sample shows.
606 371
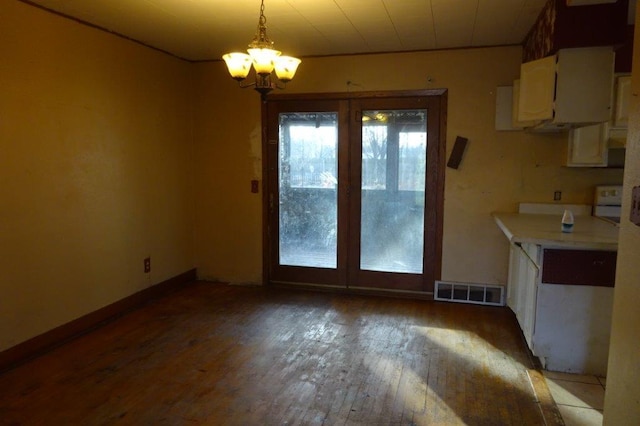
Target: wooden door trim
270 144
356 95
266 253
435 105
433 254
436 163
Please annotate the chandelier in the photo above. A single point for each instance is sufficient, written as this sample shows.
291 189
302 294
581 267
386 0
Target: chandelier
265 60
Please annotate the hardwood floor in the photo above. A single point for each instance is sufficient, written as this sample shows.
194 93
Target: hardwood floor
219 354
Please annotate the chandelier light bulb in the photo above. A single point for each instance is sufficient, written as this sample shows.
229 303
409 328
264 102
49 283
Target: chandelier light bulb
286 67
264 60
239 64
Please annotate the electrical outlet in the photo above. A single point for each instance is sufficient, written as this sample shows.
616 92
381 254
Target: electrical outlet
147 265
635 205
557 195
255 186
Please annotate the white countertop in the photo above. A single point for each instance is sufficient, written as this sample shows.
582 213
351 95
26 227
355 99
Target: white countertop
544 229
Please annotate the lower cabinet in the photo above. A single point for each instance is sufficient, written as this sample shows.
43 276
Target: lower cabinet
563 300
573 326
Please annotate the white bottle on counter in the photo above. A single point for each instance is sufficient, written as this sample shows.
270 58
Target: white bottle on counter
567 221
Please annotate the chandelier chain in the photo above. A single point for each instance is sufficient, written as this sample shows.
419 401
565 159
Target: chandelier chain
261 39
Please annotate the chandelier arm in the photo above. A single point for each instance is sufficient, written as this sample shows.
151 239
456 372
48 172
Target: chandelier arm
243 84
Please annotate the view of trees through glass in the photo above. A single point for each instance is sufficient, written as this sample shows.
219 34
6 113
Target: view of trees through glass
308 189
393 175
394 158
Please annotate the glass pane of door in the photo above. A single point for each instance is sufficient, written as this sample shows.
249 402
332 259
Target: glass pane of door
307 183
394 158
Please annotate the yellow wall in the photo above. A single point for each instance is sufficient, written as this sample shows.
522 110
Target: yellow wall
499 169
96 154
622 399
228 156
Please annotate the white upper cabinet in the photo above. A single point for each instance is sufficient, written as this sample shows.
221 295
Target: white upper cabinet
570 89
537 84
515 108
587 146
594 145
623 96
617 134
504 115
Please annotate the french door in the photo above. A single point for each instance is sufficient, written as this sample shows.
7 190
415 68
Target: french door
354 190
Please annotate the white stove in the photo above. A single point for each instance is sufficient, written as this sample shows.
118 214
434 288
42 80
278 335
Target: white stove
607 203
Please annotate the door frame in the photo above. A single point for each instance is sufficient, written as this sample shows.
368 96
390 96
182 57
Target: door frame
434 189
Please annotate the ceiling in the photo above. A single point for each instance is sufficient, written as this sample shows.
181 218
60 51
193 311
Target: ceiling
199 30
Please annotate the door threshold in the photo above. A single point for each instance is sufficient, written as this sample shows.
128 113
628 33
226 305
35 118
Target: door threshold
370 291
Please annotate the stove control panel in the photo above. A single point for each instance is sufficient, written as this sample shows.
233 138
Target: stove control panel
608 195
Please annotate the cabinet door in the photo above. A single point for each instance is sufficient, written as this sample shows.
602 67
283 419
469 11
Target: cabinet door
522 288
587 146
512 281
537 89
515 108
504 108
623 96
529 274
584 85
529 314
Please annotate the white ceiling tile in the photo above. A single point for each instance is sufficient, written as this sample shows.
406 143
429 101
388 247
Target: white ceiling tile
454 21
494 21
205 29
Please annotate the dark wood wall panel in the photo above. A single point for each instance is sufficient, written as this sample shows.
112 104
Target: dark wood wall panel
560 27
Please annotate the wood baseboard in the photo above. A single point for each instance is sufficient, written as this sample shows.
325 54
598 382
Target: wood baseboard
49 340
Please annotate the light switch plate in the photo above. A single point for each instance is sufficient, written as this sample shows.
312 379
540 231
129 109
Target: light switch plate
635 205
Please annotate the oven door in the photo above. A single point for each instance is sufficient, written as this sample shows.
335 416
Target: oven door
608 213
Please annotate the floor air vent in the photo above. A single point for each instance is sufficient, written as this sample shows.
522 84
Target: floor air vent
481 294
